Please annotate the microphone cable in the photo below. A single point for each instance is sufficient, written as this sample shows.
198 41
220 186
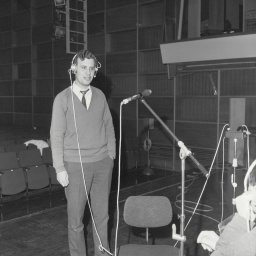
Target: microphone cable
101 247
210 170
119 174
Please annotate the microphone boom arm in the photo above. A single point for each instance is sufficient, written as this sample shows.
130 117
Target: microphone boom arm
180 143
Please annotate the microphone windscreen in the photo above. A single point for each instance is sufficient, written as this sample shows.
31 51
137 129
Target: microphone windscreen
146 93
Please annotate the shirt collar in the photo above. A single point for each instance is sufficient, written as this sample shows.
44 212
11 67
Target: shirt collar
77 90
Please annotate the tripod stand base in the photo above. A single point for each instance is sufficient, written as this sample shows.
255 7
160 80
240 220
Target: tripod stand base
148 172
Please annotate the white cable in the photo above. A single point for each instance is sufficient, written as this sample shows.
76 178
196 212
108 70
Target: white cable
210 170
119 171
222 181
101 247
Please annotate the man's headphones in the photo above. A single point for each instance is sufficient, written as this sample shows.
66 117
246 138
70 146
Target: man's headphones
73 66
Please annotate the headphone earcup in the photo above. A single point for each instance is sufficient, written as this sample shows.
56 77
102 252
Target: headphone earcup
73 68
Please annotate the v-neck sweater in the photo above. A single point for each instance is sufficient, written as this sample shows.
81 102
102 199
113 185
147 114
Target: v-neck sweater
95 129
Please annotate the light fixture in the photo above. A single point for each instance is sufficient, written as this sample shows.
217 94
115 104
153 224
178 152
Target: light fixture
59 32
59 2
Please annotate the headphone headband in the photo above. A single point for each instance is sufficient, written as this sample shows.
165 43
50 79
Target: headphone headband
73 65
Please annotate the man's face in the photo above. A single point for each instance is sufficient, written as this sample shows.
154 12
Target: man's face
85 72
252 190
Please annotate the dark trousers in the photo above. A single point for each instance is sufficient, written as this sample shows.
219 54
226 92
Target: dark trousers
97 177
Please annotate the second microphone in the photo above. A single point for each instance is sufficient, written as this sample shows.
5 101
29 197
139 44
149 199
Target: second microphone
145 93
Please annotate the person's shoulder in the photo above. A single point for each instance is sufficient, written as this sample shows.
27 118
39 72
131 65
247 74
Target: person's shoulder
98 91
63 93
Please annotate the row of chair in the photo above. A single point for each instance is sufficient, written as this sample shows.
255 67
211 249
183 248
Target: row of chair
26 170
16 147
25 158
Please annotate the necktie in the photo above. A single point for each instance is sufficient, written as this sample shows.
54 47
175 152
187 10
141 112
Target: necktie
83 98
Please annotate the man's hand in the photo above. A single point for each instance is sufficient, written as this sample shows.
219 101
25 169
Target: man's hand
244 205
208 239
62 178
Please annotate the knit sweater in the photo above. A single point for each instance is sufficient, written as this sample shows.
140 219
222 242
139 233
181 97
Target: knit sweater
235 240
95 129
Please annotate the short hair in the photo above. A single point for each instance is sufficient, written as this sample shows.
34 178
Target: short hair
85 54
252 177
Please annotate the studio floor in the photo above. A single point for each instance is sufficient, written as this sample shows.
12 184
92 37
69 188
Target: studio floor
38 226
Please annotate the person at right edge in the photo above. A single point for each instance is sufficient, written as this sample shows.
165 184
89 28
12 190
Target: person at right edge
90 126
235 238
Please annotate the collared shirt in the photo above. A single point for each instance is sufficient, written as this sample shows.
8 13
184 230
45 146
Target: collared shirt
77 91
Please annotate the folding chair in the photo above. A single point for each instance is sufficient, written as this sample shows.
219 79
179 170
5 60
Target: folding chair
147 212
37 177
47 156
8 161
29 158
52 175
15 148
12 182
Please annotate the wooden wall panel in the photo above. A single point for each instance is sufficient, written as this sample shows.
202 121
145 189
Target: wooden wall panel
22 88
44 69
121 18
44 87
42 105
5 24
96 44
42 33
22 37
21 119
23 104
21 19
238 82
122 42
197 109
197 135
60 84
43 52
5 40
6 88
118 3
43 121
150 37
162 106
224 110
6 56
128 61
6 118
6 104
42 15
123 85
158 84
128 111
22 54
6 72
151 62
197 83
95 23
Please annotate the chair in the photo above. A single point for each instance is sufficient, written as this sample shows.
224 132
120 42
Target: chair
52 175
8 161
47 156
12 182
37 177
29 158
15 148
147 212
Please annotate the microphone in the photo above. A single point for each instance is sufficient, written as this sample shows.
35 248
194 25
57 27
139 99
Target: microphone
146 93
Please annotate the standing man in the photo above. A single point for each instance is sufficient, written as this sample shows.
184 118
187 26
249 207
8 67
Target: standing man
83 149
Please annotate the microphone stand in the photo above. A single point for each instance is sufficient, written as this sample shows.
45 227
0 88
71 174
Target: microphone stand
184 152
